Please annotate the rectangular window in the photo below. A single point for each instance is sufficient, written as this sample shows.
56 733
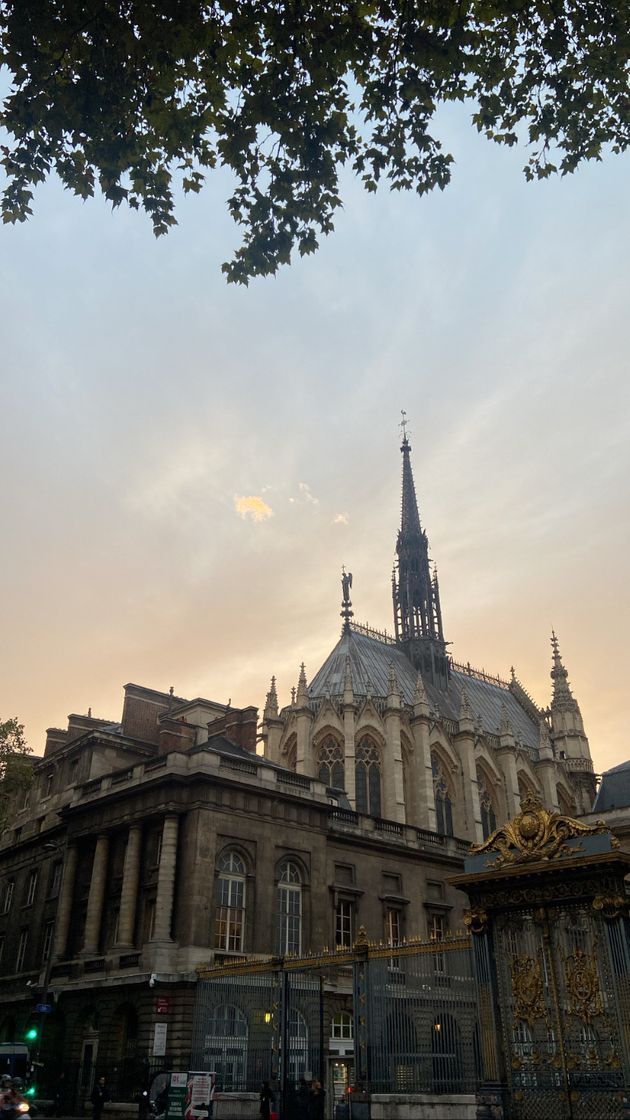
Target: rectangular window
48 783
8 896
437 932
230 914
55 880
32 887
148 919
391 883
392 933
21 953
437 927
343 924
49 930
289 919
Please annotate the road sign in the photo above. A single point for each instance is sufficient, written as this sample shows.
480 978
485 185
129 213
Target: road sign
44 1008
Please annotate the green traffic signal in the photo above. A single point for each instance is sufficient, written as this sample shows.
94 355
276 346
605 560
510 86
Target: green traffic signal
31 1034
30 1092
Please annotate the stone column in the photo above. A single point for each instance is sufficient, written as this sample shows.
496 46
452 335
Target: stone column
64 908
166 880
129 891
96 897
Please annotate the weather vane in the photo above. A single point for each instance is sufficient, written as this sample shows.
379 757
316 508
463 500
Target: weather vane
403 423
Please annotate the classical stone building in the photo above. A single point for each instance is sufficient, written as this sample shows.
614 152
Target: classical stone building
162 841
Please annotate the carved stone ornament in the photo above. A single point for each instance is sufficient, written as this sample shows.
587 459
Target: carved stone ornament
610 906
476 920
535 834
527 985
585 997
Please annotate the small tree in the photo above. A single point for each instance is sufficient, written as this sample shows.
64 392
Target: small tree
16 769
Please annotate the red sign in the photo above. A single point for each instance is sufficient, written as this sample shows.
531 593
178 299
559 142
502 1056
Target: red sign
162 1005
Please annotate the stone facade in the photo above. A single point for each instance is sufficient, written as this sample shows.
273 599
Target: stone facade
135 862
417 738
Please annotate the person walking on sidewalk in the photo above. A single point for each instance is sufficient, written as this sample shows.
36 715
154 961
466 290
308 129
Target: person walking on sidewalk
99 1098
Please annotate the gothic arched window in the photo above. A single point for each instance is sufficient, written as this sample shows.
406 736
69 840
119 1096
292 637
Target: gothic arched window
488 815
289 917
443 805
367 776
230 909
331 768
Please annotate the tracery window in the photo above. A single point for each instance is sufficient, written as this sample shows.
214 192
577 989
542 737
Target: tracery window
368 778
443 805
488 815
230 910
331 763
289 903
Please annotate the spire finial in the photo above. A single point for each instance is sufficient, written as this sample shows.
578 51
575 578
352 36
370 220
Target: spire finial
271 705
403 425
562 695
346 605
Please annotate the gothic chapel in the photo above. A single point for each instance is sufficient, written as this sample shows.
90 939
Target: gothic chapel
412 736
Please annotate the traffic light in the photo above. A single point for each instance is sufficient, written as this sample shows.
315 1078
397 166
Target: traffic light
32 1034
31 1091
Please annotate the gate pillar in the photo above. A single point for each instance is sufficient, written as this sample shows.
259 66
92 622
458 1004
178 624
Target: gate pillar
551 934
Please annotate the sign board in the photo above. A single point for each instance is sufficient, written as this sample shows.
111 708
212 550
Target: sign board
162 1005
199 1095
44 1008
159 1040
177 1096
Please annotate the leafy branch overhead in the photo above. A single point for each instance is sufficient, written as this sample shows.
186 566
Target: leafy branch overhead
132 96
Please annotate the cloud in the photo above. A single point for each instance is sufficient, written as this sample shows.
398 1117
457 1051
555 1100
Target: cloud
305 491
341 519
252 506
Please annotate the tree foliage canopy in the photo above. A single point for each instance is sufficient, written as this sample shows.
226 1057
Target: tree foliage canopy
130 95
16 769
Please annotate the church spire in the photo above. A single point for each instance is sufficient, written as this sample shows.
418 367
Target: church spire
415 589
562 696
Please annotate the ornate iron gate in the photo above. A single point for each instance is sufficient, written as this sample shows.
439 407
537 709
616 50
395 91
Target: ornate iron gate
552 953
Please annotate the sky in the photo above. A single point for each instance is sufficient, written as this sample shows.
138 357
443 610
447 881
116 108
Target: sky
187 465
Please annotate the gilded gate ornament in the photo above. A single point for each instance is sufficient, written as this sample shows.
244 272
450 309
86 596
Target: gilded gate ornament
535 834
476 920
610 906
585 997
527 985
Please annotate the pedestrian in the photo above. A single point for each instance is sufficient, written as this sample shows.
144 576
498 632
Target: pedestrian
59 1107
316 1101
99 1098
302 1099
266 1100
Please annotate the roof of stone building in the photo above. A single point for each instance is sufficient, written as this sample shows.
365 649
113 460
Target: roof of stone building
614 791
370 661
